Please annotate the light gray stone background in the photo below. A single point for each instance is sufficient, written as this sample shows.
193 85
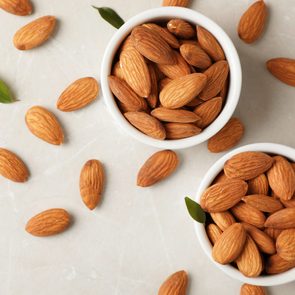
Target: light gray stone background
137 236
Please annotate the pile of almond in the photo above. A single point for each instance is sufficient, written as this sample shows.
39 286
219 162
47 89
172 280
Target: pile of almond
251 212
170 79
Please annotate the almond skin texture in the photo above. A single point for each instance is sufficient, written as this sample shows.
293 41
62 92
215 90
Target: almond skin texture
152 46
216 77
17 7
177 70
275 264
258 185
213 232
34 33
158 167
79 94
164 33
281 178
183 3
135 71
224 195
209 43
92 180
181 28
227 137
176 284
247 165
12 167
289 204
195 56
48 223
223 219
263 203
146 124
208 111
263 241
283 69
181 91
252 22
273 232
247 289
230 244
181 130
153 98
117 71
126 95
282 219
43 124
248 214
250 262
176 116
164 82
286 245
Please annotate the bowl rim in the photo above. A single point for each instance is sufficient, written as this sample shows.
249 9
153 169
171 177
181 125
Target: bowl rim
213 171
231 56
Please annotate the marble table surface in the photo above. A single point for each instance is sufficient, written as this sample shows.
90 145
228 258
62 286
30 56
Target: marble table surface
137 236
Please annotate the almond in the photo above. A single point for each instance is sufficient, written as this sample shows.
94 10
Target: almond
247 165
183 3
146 124
224 90
208 111
12 167
179 69
43 124
281 178
17 7
227 137
290 203
181 91
195 56
286 245
283 69
152 46
164 33
224 195
48 223
223 219
273 232
244 212
209 43
252 22
194 102
263 241
216 77
250 262
176 116
164 82
176 284
247 289
181 130
220 178
258 185
126 95
158 167
34 33
263 203
230 244
135 71
117 71
79 94
153 98
213 232
282 219
275 265
92 180
181 28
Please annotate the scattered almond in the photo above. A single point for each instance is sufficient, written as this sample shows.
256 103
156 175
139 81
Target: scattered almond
176 284
247 289
17 7
183 3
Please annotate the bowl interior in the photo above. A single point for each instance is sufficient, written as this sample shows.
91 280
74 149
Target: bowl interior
200 229
162 14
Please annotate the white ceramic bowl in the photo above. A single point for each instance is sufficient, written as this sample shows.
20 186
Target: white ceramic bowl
166 13
270 280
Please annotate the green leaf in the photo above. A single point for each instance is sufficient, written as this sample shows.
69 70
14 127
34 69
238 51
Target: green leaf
110 16
195 210
5 94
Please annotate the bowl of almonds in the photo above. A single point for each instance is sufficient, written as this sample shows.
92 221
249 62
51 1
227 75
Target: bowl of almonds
171 77
249 200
